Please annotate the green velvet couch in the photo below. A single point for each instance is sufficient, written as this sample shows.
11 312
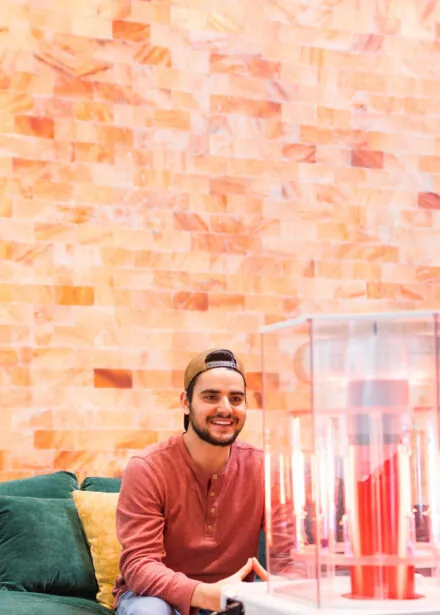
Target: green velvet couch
45 563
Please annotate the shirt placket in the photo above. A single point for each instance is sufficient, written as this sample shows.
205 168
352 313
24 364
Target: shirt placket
212 505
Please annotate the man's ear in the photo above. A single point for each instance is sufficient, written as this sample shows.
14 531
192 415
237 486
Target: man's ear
184 401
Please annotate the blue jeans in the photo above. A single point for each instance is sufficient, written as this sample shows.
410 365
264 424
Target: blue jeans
130 604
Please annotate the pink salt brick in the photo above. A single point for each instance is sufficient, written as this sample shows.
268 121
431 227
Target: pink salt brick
53 439
117 94
131 31
228 185
252 65
174 119
113 379
232 301
93 111
74 295
429 200
239 244
227 224
149 379
252 108
191 301
35 126
431 274
299 152
90 152
429 164
74 89
15 102
115 135
367 159
58 191
316 135
190 222
151 299
154 55
371 43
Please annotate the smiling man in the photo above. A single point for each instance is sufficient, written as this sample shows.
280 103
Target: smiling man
191 508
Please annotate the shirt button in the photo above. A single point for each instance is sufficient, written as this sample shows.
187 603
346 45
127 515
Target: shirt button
212 493
215 477
209 527
213 510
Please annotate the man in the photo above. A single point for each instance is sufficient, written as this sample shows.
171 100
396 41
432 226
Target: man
191 508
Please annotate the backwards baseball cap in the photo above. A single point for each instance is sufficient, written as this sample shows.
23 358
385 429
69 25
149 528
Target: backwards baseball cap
209 360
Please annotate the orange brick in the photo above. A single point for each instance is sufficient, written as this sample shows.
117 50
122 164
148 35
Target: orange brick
110 440
93 112
131 31
189 222
190 301
252 108
113 379
368 159
152 379
429 164
316 135
114 135
74 295
154 54
299 153
179 120
227 301
224 243
90 152
15 102
35 126
51 439
72 461
151 299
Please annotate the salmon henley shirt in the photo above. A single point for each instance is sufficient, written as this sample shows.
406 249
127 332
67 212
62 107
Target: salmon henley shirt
179 525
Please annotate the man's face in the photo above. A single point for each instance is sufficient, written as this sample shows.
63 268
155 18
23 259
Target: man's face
217 412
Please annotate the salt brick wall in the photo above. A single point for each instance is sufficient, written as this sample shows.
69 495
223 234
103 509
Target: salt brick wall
175 174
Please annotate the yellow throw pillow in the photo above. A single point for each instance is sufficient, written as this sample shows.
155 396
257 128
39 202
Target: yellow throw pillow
97 513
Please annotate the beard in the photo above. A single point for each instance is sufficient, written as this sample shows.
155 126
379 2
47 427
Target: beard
205 435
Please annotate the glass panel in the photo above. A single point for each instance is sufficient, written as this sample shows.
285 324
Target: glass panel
289 447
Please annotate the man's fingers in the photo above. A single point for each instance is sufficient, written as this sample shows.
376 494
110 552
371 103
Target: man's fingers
247 569
259 570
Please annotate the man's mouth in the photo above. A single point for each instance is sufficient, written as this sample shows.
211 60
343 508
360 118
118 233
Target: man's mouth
222 422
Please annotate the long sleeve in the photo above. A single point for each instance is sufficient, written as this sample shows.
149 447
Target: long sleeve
140 526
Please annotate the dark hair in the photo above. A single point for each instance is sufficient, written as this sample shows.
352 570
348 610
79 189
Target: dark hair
189 394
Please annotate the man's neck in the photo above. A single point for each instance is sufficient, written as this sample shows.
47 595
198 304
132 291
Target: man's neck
209 457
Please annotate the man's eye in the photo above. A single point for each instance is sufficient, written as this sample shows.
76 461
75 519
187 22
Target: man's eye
210 397
237 400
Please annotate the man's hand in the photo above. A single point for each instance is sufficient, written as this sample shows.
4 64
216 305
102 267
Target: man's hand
207 595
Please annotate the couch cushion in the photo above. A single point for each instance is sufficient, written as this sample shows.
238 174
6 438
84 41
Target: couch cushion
56 485
26 603
97 512
99 483
43 548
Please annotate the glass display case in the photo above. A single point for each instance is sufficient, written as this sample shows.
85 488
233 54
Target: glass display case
351 440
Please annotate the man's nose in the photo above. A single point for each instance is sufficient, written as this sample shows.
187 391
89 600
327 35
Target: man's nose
225 404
